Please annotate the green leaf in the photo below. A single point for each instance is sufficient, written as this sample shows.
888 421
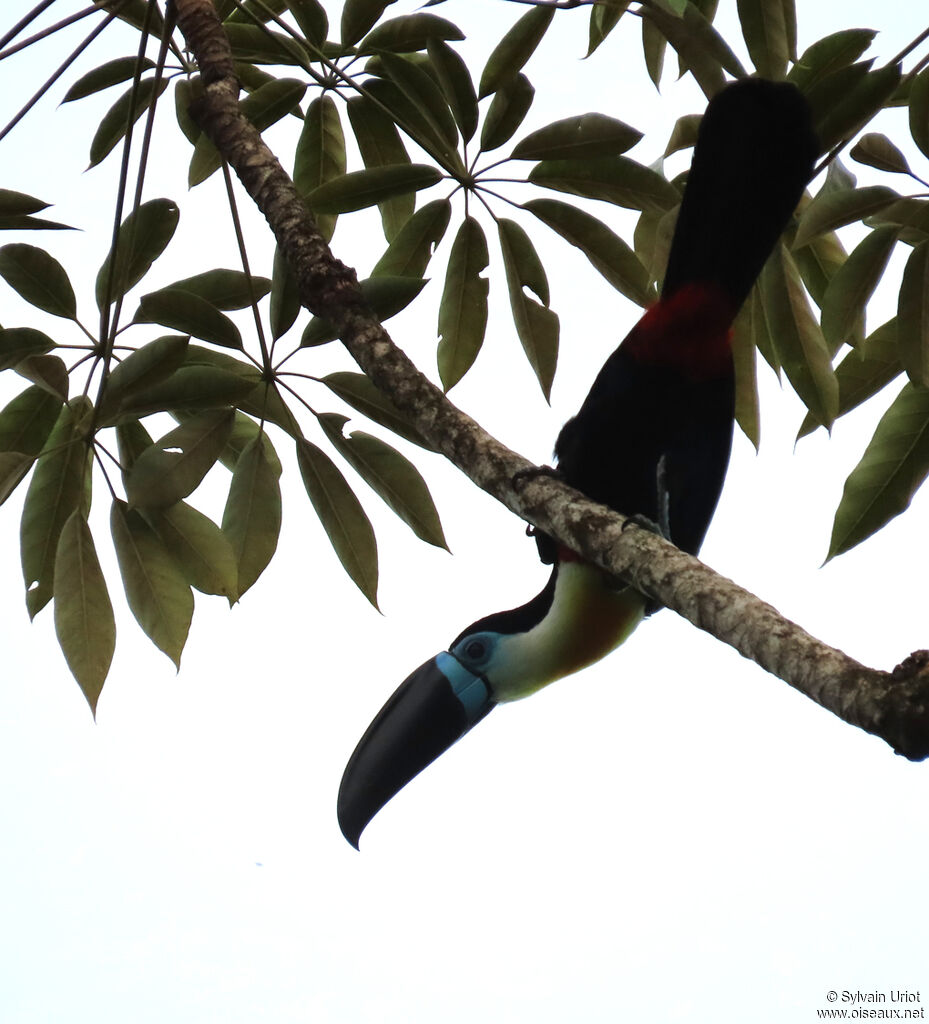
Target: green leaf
654 47
381 146
536 325
857 106
392 476
581 136
257 44
244 431
23 223
614 179
13 469
18 343
831 210
359 189
59 486
15 203
408 33
112 128
766 28
919 111
867 368
111 73
252 10
49 372
913 316
176 464
801 348
830 54
143 237
182 311
603 19
701 49
422 91
138 13
84 622
188 388
358 16
39 278
148 365
890 472
747 414
876 150
455 82
507 111
225 289
413 118
285 296
320 155
514 49
853 283
463 309
818 262
158 595
607 252
384 296
263 107
361 393
310 16
252 516
408 255
27 420
343 518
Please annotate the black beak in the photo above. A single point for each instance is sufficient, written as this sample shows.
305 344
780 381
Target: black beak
428 712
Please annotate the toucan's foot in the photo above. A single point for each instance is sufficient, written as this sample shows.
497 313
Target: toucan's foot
548 548
523 476
644 523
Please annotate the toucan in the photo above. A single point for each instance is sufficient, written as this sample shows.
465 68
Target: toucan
651 441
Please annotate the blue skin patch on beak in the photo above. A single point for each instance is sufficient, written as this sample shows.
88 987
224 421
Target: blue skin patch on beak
470 689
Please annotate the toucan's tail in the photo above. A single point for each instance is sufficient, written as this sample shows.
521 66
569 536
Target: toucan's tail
754 157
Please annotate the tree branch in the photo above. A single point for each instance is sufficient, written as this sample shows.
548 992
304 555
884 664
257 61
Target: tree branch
891 705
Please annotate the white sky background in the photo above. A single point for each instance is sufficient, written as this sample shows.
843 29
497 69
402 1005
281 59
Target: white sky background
671 836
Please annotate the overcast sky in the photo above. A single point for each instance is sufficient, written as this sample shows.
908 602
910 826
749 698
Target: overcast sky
672 835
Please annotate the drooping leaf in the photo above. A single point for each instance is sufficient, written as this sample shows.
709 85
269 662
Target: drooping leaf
510 55
182 311
463 309
39 278
607 252
507 111
156 591
84 622
358 16
320 154
919 111
112 129
18 343
747 414
801 348
455 81
285 296
384 296
866 369
310 16
13 469
111 73
654 48
360 189
413 118
186 92
408 255
381 146
766 29
263 107
59 485
225 289
536 325
913 316
342 517
390 475
585 135
852 284
424 93
252 516
174 466
818 262
143 236
408 33
603 19
244 431
614 179
360 392
831 210
27 420
893 467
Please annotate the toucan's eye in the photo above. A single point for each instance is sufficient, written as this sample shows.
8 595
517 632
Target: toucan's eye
475 649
